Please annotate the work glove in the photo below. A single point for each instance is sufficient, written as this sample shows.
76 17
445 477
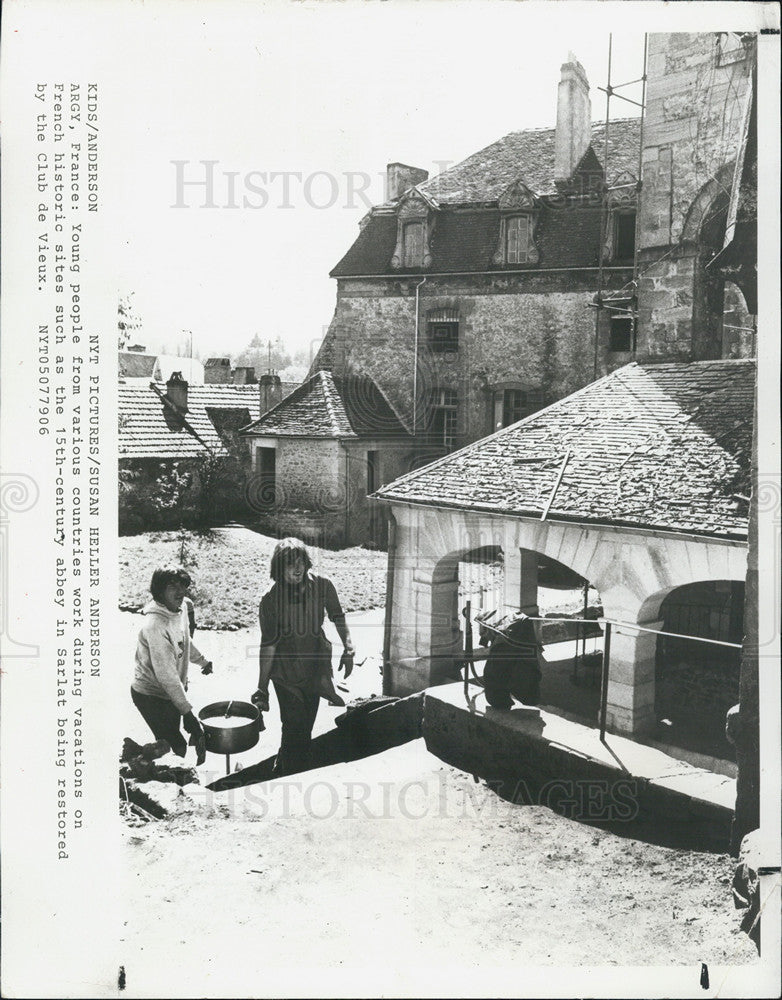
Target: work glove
346 662
261 700
207 668
197 736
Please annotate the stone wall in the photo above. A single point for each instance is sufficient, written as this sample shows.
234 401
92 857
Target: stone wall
696 101
321 489
536 329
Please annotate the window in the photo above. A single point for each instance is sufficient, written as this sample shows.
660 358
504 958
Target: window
511 402
442 331
514 406
442 417
413 237
517 239
266 472
624 235
621 333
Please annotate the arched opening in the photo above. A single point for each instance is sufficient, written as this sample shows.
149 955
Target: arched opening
697 682
738 324
495 585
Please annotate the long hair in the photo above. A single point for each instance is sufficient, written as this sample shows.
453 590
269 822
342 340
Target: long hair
286 552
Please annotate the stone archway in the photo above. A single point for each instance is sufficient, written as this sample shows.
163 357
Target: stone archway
632 570
696 683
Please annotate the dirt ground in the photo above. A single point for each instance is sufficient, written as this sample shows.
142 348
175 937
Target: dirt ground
379 876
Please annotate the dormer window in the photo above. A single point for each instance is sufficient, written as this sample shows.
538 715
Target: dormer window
518 241
413 236
519 213
415 226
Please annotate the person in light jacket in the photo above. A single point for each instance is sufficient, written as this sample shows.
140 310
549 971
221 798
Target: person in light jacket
163 654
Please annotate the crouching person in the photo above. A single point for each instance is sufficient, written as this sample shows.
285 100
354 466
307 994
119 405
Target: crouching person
163 654
513 666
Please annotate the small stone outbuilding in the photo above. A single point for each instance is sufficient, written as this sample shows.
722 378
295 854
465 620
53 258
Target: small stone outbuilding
318 454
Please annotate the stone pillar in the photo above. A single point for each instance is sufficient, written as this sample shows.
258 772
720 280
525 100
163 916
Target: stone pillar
631 679
520 581
425 638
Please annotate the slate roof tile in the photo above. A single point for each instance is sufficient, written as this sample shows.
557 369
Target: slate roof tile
330 407
631 458
528 155
148 428
466 240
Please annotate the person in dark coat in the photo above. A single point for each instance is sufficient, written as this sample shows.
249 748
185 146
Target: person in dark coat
513 665
295 653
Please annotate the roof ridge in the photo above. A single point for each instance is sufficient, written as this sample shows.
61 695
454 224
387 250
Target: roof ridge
328 384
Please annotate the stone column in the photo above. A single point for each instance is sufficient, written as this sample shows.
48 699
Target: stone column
520 581
424 626
631 679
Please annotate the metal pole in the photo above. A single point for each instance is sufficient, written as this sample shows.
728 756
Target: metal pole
603 199
604 681
468 649
638 202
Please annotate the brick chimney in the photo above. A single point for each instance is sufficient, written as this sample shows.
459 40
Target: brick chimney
176 391
574 119
270 391
400 177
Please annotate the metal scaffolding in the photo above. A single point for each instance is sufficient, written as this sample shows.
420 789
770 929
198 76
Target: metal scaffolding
600 303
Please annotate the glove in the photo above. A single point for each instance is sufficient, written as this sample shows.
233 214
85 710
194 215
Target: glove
346 663
261 699
191 724
198 740
207 669
197 737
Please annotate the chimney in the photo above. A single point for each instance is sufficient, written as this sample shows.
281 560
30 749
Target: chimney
176 391
244 376
574 119
270 391
400 177
217 371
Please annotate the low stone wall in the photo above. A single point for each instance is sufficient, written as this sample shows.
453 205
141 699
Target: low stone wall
524 766
313 527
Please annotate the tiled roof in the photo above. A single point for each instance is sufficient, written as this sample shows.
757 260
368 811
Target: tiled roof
568 234
330 407
529 156
135 364
655 446
467 240
148 428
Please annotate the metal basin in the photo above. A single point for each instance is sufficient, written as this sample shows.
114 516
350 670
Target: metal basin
235 738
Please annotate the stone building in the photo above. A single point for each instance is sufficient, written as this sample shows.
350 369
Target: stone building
466 297
699 133
317 455
181 460
519 275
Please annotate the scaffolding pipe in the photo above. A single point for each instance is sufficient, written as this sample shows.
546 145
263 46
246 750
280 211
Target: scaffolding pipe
601 237
604 682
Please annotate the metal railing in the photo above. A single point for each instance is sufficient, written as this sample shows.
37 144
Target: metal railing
608 624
